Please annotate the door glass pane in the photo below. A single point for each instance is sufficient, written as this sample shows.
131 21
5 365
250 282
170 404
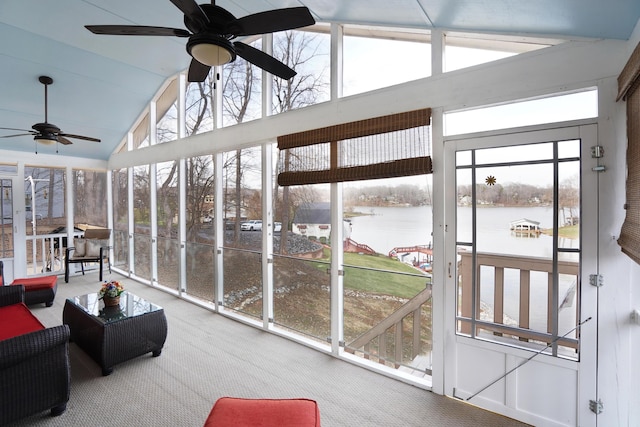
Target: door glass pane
569 200
514 211
518 273
6 218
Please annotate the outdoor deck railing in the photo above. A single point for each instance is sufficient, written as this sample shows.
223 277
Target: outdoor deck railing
402 348
522 329
45 253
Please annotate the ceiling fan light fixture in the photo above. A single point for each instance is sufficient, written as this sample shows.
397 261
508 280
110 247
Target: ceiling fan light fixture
45 138
211 49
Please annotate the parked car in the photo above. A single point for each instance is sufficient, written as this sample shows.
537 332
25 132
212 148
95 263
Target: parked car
277 226
251 225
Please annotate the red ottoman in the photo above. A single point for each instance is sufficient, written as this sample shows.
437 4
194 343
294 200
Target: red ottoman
38 289
235 412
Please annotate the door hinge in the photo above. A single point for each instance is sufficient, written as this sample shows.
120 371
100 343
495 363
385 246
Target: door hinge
596 280
596 406
597 152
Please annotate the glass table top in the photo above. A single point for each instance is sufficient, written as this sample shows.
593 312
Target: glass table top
130 306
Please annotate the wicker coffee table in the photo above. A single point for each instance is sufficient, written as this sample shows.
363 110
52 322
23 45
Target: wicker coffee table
111 335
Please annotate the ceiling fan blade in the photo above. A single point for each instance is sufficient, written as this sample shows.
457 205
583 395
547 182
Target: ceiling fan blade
193 14
272 21
136 30
17 134
263 60
198 72
68 135
20 130
63 140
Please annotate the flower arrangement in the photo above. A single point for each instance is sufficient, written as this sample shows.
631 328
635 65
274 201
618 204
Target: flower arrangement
111 289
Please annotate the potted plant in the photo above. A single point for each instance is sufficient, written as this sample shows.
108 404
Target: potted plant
110 293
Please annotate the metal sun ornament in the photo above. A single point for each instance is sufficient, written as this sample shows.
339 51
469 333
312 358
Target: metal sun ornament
491 180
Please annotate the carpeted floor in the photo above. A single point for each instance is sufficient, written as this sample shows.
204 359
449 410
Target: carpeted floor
208 356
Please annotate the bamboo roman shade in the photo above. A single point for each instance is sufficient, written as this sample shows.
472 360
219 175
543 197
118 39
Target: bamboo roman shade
380 147
628 84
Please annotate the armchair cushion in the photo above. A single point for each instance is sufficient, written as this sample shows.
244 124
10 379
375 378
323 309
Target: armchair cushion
16 319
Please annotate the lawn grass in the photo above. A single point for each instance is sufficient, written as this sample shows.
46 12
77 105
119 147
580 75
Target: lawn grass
568 232
362 273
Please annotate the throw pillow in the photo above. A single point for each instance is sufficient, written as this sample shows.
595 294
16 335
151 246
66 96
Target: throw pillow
80 245
94 245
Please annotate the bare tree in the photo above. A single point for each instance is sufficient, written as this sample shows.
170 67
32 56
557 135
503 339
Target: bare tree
297 49
241 84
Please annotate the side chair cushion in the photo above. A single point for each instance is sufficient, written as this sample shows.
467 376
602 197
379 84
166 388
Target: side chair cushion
36 283
16 319
237 412
80 245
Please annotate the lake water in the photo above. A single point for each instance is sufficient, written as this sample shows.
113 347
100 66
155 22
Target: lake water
384 228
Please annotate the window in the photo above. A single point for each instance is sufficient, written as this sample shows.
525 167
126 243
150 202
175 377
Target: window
410 54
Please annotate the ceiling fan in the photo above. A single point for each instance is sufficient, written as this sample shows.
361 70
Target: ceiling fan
47 133
211 31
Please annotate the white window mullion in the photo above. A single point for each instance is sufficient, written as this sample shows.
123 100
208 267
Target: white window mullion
153 216
337 269
131 226
182 183
267 235
219 232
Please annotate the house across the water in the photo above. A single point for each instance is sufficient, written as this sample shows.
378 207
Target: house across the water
525 225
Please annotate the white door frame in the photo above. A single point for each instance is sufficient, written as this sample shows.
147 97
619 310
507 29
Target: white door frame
516 400
16 266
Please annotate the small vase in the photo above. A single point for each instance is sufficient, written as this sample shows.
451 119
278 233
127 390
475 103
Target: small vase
111 301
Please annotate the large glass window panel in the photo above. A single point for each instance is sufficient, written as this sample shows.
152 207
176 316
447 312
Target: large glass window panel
167 113
242 90
564 107
466 50
388 262
142 221
120 189
199 221
302 254
308 54
242 190
200 270
365 71
167 129
90 203
168 247
200 111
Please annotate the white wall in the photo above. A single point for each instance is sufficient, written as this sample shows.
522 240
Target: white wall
619 372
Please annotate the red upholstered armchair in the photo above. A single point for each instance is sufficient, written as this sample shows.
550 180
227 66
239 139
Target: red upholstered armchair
35 372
